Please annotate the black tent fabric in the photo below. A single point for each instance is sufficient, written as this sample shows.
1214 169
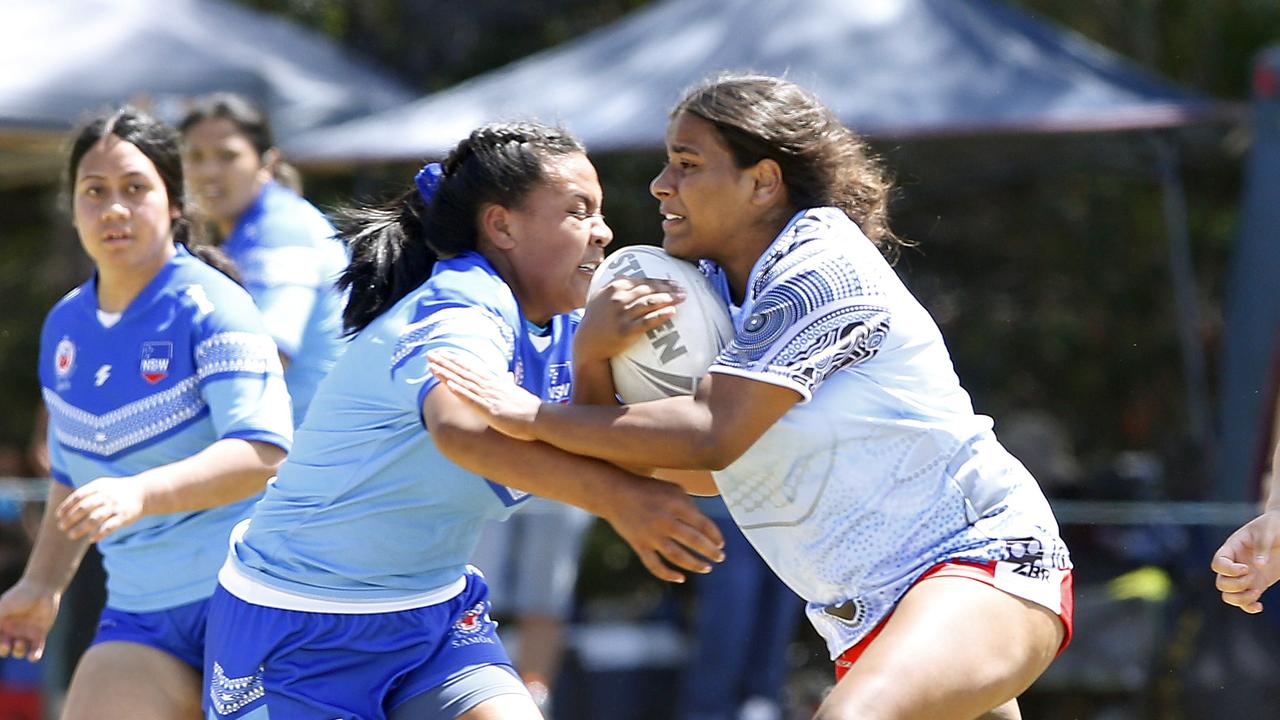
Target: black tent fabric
889 68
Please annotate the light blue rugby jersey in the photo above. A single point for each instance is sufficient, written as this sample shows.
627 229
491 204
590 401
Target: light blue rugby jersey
289 260
187 363
366 509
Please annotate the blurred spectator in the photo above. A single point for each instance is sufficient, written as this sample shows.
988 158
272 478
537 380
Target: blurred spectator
19 680
530 563
744 619
282 245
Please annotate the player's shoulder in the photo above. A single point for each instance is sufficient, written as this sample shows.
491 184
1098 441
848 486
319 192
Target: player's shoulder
824 252
290 220
202 290
470 279
462 295
68 305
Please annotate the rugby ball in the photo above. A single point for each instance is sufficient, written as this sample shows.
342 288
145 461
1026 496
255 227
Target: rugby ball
669 359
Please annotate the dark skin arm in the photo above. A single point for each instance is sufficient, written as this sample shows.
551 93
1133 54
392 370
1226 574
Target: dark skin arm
657 519
617 316
706 431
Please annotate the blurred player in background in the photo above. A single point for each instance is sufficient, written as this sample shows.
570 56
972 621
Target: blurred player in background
285 248
168 413
840 437
348 593
530 563
744 621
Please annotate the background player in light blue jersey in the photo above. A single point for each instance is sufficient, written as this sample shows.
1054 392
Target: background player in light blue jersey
284 247
838 433
349 594
167 413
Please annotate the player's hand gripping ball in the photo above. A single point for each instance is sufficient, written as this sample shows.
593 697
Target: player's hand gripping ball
669 359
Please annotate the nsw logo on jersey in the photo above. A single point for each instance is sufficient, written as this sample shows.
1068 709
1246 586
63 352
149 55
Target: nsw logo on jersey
156 356
64 358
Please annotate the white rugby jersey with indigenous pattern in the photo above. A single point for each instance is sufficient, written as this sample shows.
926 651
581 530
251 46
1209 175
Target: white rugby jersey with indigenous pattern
883 469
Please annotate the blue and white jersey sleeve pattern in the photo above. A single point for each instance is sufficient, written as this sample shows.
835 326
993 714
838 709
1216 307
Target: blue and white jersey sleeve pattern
239 371
451 328
811 316
187 364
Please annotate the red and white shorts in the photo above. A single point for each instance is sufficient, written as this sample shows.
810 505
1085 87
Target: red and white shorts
996 574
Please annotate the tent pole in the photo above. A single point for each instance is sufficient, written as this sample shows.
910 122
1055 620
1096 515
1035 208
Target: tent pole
1185 300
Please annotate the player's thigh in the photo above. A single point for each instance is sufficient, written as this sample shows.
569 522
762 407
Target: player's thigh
953 648
128 681
485 692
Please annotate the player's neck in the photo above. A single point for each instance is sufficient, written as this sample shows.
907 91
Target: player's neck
116 288
737 269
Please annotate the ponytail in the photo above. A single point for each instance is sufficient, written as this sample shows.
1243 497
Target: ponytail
389 257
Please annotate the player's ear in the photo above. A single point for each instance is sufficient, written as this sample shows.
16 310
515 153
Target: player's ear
496 225
768 185
270 159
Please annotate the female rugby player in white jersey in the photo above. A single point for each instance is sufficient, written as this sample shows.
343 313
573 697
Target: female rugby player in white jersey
349 595
167 414
836 428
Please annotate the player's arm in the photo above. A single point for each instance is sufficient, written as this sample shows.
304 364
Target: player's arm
657 519
617 316
1249 561
769 367
706 431
226 471
28 609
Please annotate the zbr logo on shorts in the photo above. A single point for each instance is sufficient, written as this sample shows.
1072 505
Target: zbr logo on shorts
64 357
154 365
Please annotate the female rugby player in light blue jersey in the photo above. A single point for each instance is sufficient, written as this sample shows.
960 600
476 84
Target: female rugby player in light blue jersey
838 433
167 414
348 593
283 246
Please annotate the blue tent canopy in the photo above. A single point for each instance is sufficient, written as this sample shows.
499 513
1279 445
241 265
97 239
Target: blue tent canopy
889 68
